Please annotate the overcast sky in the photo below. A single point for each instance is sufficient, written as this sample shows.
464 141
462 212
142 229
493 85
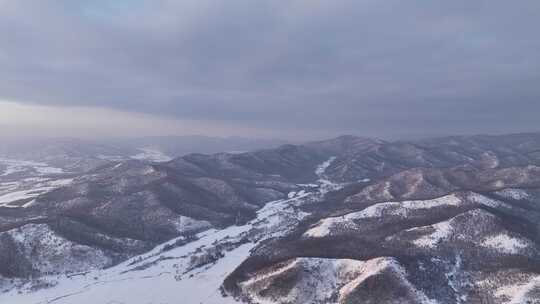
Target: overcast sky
288 69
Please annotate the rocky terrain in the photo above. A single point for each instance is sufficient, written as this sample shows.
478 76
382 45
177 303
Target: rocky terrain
347 220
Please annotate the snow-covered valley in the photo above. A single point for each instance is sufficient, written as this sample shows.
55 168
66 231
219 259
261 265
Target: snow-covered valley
192 272
22 180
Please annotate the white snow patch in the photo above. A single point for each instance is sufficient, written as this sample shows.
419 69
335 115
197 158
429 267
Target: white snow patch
505 243
441 231
278 271
151 154
14 196
434 234
325 280
375 266
484 200
50 253
30 191
324 226
517 194
451 276
328 275
403 208
16 165
185 224
519 293
420 296
111 157
320 170
368 269
325 184
308 185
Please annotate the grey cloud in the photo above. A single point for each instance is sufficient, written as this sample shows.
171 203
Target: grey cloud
381 68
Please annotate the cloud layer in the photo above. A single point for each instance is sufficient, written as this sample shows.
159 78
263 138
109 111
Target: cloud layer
379 68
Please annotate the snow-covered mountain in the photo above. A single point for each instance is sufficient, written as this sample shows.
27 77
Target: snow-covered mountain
348 220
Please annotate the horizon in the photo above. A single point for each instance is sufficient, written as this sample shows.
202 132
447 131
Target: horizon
108 139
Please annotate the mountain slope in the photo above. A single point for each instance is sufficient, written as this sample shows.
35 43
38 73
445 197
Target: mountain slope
198 263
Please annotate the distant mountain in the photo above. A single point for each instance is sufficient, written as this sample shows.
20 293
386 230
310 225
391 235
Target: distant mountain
176 146
82 155
346 220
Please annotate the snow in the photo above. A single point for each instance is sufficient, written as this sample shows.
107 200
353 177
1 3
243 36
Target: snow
308 185
484 200
320 170
267 275
368 269
517 194
16 166
506 244
403 208
151 154
173 270
519 293
323 280
280 217
396 267
375 266
490 160
421 297
33 179
325 184
328 275
49 252
386 190
499 184
324 226
111 157
12 194
185 224
432 235
440 232
452 277
123 284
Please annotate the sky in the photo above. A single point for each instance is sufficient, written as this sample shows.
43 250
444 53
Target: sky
284 69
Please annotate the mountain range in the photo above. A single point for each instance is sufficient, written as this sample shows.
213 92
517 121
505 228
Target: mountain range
346 220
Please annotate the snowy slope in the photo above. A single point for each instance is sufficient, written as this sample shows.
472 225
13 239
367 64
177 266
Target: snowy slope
23 180
190 273
151 154
13 166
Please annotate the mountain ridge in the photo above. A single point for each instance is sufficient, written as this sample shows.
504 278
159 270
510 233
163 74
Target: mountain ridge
391 208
